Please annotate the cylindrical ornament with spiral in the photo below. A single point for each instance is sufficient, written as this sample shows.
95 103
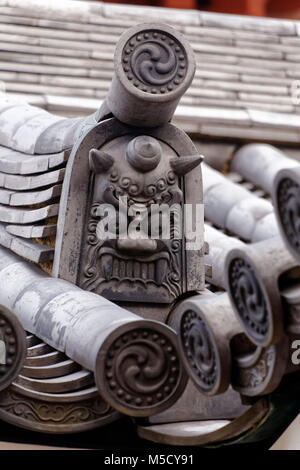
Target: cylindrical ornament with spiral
154 66
206 323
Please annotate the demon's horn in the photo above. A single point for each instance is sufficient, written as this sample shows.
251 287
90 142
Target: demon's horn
183 165
100 161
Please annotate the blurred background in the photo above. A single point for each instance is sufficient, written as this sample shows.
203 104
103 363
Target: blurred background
272 8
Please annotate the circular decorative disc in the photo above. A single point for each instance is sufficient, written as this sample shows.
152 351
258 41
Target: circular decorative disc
154 61
138 369
288 202
12 347
200 351
249 299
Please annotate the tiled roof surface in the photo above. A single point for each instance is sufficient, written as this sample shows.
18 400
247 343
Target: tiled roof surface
59 55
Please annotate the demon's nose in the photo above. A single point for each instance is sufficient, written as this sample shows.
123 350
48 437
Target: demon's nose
144 153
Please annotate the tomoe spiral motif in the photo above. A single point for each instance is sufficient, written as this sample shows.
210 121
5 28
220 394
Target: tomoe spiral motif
155 61
142 368
249 299
200 350
254 377
288 198
154 71
148 363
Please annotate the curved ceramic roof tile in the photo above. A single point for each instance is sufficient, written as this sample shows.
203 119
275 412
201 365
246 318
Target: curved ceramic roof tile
12 119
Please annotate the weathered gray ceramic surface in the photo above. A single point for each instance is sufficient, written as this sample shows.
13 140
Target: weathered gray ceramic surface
13 162
32 231
227 405
30 188
32 130
25 248
33 175
21 216
219 247
19 198
20 182
89 328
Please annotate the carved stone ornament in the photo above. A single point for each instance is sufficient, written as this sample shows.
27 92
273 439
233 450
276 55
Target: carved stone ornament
115 163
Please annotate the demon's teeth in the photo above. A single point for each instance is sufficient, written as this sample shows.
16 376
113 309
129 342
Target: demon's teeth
161 270
114 267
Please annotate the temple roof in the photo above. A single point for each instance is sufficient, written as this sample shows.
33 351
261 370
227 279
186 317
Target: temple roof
59 56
